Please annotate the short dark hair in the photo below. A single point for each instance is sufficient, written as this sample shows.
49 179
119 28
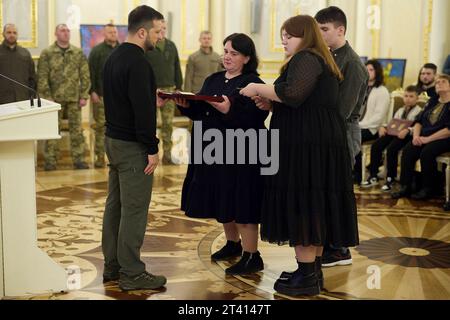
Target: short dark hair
379 73
245 45
142 17
431 66
412 89
332 15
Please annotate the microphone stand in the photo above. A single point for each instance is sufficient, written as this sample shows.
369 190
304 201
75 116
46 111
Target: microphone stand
26 87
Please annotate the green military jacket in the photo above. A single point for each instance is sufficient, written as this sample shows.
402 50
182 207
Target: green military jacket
97 59
63 76
166 65
200 66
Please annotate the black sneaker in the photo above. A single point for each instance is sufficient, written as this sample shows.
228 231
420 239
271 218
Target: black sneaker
372 181
113 276
144 281
230 250
249 263
337 257
388 185
286 274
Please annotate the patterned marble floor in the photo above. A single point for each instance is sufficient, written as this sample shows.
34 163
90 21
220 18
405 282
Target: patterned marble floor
407 243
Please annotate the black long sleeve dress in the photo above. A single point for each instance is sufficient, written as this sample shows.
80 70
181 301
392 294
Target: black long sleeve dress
310 201
226 192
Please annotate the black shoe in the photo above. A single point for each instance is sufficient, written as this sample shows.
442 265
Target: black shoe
337 257
404 192
249 263
299 284
111 273
230 250
372 181
446 206
80 165
423 194
286 275
108 277
388 185
144 281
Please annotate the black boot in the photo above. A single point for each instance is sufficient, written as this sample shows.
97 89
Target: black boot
303 282
405 191
249 263
230 250
319 272
318 268
424 194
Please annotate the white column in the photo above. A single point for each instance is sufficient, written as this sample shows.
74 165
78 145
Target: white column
217 23
237 16
440 33
362 43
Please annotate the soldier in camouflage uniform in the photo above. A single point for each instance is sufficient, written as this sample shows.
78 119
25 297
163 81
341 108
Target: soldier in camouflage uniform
63 77
165 62
97 59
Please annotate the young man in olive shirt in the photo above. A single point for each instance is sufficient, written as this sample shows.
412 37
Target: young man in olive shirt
333 25
132 148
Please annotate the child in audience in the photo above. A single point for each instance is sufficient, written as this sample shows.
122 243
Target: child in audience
393 144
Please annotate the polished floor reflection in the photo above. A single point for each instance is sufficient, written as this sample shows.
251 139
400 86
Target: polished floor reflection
407 243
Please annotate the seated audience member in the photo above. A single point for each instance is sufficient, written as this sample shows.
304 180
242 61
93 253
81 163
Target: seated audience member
427 78
375 109
393 144
431 138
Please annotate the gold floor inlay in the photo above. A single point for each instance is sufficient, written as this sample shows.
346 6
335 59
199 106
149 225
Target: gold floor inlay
407 242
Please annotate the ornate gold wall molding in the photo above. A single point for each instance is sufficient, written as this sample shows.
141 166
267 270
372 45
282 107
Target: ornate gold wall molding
427 32
33 42
376 32
275 24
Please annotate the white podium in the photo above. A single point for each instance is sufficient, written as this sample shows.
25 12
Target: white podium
24 268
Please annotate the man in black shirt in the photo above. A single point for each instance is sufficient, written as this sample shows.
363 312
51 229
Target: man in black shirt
427 80
132 148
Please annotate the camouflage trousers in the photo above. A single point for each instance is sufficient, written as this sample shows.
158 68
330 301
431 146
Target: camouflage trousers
167 113
99 117
51 152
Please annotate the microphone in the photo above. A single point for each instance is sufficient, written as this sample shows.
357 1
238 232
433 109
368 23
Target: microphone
30 89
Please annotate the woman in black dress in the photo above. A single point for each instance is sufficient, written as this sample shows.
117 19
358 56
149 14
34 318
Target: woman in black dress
310 201
230 193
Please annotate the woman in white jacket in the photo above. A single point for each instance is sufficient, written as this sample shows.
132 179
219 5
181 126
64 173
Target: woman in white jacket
375 109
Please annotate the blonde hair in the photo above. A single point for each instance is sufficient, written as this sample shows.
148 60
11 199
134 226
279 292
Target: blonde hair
305 27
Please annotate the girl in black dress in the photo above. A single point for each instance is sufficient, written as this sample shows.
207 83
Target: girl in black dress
310 201
230 193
